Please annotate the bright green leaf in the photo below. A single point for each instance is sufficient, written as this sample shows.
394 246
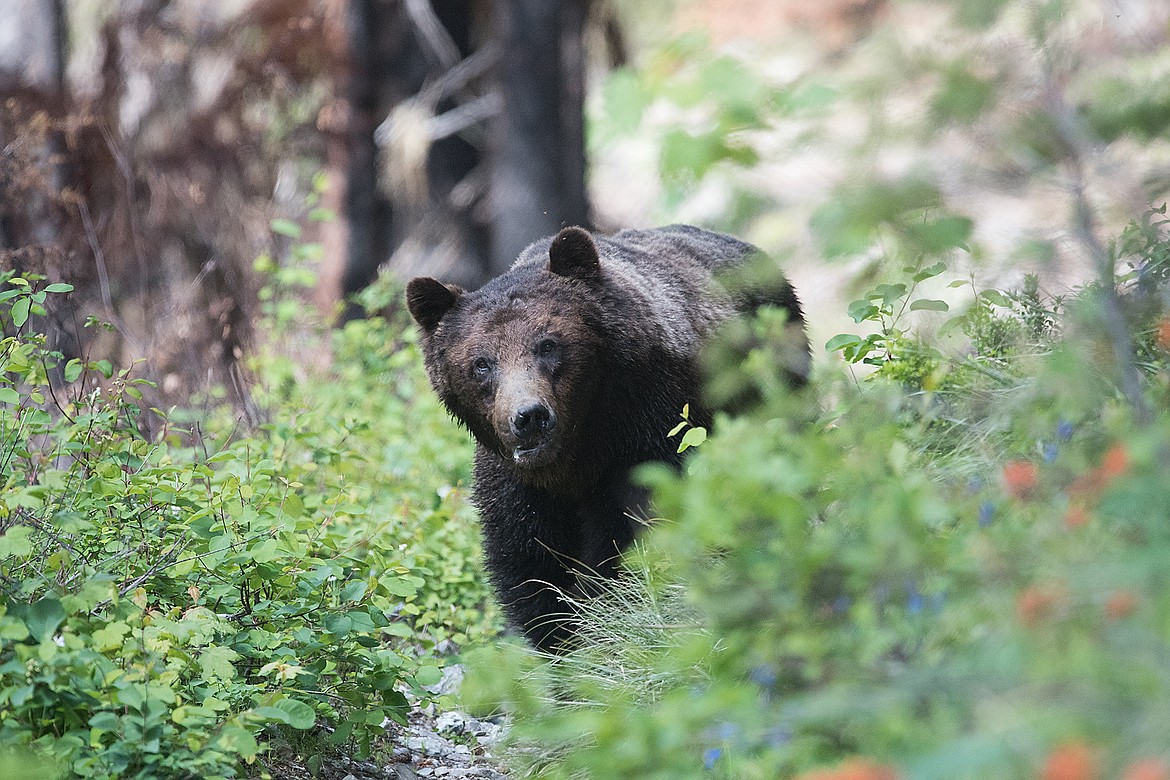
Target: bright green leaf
20 311
286 228
928 304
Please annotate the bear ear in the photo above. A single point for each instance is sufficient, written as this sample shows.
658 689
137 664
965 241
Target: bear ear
429 299
573 253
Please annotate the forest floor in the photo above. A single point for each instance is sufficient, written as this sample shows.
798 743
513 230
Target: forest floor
435 743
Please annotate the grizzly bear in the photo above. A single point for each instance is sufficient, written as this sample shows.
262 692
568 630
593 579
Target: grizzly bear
569 370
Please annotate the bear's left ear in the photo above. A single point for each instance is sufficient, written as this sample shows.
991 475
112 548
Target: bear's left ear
573 253
429 299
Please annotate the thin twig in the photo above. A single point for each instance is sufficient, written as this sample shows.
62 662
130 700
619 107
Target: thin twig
432 32
1084 228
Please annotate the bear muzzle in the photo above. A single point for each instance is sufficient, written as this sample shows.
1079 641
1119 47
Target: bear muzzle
531 426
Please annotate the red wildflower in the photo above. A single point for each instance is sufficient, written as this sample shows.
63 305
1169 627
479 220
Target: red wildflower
1019 477
1070 761
1147 769
1076 516
1120 604
1115 462
853 769
1164 333
1034 604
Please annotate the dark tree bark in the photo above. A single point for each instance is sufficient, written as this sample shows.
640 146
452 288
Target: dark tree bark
32 72
504 159
538 175
153 201
367 212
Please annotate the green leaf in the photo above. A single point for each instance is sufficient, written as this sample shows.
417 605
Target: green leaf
15 542
860 311
216 662
963 96
687 156
43 617
942 234
59 287
354 591
12 628
73 370
398 629
692 438
340 625
20 311
996 297
297 713
888 293
264 551
239 741
286 228
840 341
400 586
428 675
109 636
9 395
930 272
929 304
193 715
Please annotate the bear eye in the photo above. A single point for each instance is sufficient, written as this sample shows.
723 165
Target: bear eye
481 366
547 347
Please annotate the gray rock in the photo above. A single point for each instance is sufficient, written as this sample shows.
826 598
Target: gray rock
402 772
451 682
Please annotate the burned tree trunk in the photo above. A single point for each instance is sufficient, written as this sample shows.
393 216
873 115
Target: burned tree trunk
538 171
464 134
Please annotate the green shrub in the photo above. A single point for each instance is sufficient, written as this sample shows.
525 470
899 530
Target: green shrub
856 591
174 605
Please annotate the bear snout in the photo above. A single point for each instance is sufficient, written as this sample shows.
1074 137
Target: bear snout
530 421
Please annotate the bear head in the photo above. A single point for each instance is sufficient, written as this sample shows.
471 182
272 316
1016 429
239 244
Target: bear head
519 361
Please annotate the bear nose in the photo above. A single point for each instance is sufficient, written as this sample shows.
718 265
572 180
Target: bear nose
531 420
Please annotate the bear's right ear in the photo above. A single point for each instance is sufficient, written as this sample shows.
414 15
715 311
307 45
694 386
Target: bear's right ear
429 299
573 253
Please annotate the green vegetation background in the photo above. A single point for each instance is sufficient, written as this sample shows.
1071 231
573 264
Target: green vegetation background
954 567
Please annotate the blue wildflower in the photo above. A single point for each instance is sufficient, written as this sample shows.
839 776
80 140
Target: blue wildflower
986 512
842 604
1049 453
727 731
913 599
777 736
764 676
1064 430
710 756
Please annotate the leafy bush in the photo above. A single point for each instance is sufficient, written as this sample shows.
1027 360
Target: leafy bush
859 593
949 569
174 605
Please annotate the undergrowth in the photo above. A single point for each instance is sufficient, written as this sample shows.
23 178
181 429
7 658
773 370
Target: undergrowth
198 601
952 571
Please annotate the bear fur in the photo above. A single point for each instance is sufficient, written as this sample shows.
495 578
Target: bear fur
569 370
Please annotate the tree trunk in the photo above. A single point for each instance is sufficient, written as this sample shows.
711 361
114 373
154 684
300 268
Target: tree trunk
538 172
463 207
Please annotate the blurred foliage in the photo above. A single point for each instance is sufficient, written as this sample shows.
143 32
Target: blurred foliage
954 570
953 567
181 605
